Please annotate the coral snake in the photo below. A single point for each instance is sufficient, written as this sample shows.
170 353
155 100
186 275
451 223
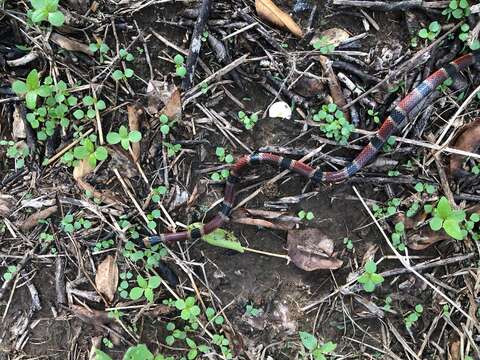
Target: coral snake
390 125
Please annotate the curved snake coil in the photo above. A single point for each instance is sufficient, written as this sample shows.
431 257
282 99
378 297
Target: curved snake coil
393 122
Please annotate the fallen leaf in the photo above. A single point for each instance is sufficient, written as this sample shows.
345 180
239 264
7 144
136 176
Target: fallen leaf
173 106
98 319
371 306
425 238
153 96
106 279
105 196
33 219
70 44
369 253
309 87
271 219
455 350
7 204
83 168
467 140
18 126
311 249
263 223
167 95
122 161
134 124
333 36
267 10
335 88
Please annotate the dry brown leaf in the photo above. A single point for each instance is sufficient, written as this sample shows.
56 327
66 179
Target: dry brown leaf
455 350
267 10
105 196
106 279
271 219
7 204
467 140
70 44
33 219
173 106
18 127
153 95
134 124
369 253
263 223
164 94
83 168
333 36
308 87
311 249
80 171
425 238
121 160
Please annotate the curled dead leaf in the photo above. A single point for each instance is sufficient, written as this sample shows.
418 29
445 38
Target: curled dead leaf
122 161
455 350
105 196
425 238
18 126
263 223
333 83
371 306
7 204
83 168
70 44
106 279
333 36
311 249
271 219
419 238
33 219
161 93
309 87
467 140
267 10
173 106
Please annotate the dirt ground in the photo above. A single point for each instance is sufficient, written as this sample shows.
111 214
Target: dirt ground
279 290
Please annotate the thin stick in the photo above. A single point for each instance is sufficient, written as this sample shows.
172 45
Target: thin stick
97 117
427 145
239 31
286 257
130 195
196 43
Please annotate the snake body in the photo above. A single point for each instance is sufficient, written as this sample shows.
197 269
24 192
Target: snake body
393 122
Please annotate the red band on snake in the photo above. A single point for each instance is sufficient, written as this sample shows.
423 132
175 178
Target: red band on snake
393 122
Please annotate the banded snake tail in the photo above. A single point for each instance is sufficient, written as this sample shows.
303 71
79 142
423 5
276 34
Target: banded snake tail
394 121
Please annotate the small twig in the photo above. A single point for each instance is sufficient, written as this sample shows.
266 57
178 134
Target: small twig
196 44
